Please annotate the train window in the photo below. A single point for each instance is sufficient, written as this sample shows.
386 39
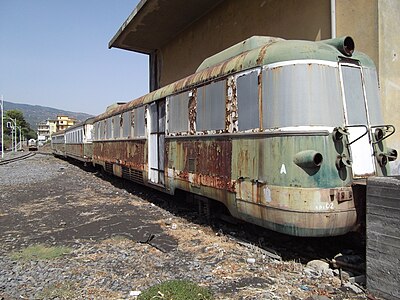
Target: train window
210 114
161 116
354 95
89 132
372 91
247 97
102 130
178 113
96 129
301 95
126 124
139 129
108 128
116 126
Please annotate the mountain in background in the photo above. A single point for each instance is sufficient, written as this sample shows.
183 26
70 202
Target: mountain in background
34 114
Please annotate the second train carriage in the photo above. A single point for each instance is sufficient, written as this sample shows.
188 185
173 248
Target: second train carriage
78 141
74 142
278 131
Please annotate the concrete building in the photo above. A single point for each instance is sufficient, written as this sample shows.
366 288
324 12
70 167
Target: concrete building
178 35
45 129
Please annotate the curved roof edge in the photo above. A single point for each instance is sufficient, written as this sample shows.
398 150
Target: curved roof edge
277 50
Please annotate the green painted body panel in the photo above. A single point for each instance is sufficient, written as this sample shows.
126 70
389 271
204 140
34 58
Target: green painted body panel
271 160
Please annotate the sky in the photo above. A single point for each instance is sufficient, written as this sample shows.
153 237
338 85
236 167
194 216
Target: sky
55 53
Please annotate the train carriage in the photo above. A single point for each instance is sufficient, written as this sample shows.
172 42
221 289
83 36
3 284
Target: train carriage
283 133
58 143
78 141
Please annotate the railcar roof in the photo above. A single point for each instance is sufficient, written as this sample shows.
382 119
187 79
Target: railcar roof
273 50
60 132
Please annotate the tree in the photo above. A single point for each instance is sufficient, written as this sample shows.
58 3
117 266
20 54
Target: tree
17 115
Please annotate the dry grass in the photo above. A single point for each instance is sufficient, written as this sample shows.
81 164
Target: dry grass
40 252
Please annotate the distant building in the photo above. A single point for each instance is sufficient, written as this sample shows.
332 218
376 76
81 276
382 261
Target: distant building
48 127
45 129
64 122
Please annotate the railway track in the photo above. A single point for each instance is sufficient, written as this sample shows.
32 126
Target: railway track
18 158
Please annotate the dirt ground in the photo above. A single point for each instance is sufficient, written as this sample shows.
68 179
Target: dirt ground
126 238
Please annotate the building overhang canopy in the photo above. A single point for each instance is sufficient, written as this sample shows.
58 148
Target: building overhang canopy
153 23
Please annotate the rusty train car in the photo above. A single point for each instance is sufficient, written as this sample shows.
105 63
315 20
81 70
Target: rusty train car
283 133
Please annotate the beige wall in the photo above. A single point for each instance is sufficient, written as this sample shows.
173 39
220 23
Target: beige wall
389 68
229 23
359 19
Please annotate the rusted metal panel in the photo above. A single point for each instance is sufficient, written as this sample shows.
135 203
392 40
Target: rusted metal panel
74 150
231 122
124 153
201 163
192 112
88 151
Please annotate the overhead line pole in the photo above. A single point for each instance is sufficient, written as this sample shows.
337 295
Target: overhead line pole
15 140
20 138
2 125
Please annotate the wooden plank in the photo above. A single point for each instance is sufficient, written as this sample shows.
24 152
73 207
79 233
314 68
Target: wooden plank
383 237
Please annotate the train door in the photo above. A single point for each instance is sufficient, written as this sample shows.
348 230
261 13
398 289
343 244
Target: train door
156 149
357 121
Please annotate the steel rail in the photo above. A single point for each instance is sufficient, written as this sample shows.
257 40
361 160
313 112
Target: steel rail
18 158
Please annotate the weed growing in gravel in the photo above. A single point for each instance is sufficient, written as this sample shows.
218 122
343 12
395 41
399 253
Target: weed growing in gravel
65 290
176 290
40 252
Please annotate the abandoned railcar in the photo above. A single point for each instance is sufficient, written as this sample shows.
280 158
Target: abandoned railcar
279 131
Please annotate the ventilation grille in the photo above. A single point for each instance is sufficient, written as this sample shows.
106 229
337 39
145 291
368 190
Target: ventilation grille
133 175
109 167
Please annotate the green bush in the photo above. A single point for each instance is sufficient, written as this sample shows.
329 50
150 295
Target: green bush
176 290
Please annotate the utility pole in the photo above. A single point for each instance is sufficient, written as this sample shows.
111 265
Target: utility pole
13 133
12 137
15 140
20 137
2 124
